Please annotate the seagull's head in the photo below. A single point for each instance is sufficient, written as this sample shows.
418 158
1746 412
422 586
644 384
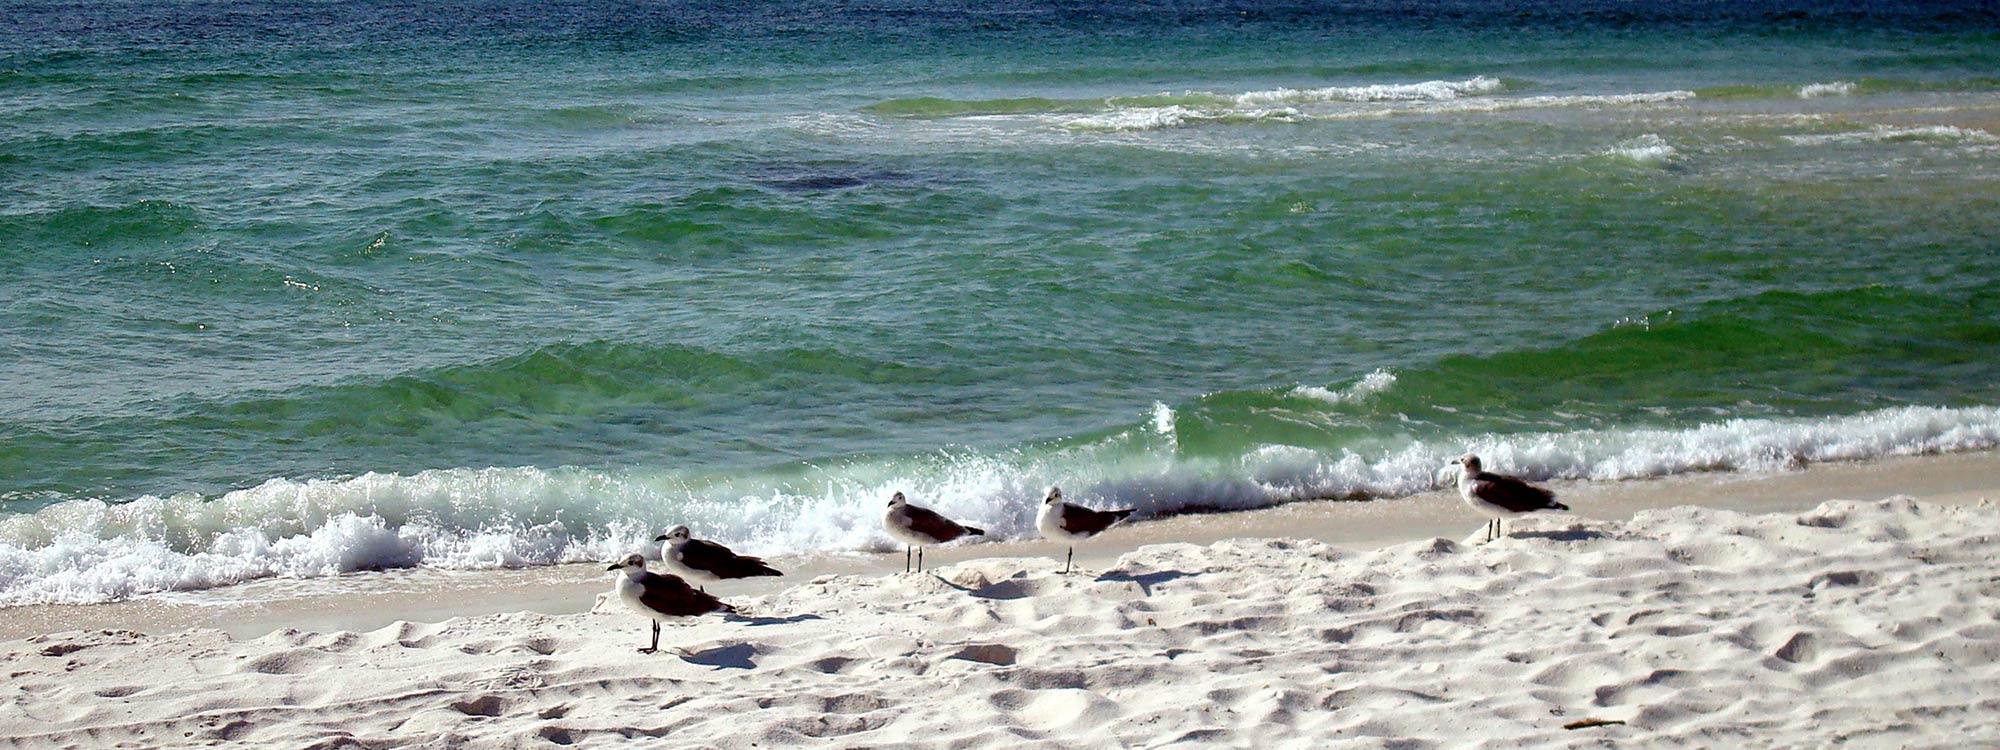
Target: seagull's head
897 500
634 561
1469 461
675 534
1055 496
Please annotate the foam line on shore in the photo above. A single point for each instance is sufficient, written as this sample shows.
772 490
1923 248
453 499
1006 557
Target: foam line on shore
90 551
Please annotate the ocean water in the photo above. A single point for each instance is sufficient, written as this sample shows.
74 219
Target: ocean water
304 288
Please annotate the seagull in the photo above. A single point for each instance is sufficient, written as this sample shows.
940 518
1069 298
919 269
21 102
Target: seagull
661 596
918 527
1074 523
707 562
1498 496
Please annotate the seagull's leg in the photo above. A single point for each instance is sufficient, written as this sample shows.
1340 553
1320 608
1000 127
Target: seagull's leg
906 558
656 639
1069 558
920 559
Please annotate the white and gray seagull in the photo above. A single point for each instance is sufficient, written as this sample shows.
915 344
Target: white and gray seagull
918 527
1499 496
707 562
1071 523
659 597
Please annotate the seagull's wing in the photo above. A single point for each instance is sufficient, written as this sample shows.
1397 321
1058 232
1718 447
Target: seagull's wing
928 523
1513 494
669 595
718 561
1077 519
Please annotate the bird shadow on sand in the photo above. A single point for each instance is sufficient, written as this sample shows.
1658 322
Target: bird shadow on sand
738 656
1563 535
1001 590
1024 588
754 621
1146 581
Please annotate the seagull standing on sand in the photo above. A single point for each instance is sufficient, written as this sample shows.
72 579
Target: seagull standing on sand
918 527
1074 523
1499 496
707 562
659 597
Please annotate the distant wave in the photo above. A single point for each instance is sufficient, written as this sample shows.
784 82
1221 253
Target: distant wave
1890 133
1397 92
1172 110
1816 90
1646 149
1156 118
1579 100
928 107
1857 87
933 107
1369 385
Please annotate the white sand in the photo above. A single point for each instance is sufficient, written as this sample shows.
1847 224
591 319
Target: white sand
1859 624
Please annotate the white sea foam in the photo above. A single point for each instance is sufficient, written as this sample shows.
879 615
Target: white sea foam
1285 105
1137 118
1390 92
1503 104
1646 149
1816 90
89 551
1889 133
1173 116
1369 385
1577 100
1129 119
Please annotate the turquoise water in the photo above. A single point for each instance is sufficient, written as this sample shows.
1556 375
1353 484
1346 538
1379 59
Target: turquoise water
300 288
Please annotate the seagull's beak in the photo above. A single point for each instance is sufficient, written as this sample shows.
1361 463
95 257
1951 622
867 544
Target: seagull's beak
614 567
660 538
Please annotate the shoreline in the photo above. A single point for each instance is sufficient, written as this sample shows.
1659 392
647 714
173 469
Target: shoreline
1851 623
368 601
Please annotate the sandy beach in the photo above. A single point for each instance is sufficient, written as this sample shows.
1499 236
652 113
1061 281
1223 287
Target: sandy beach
344 345
1864 617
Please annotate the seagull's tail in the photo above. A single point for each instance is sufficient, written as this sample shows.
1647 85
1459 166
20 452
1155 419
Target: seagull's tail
1119 515
755 566
975 531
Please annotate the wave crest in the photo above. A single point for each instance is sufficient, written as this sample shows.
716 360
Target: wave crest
1893 134
88 551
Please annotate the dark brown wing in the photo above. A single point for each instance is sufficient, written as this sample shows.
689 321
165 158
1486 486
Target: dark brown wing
1077 519
669 595
1514 495
718 561
928 523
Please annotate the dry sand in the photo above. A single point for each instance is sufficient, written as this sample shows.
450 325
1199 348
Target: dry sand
1860 622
